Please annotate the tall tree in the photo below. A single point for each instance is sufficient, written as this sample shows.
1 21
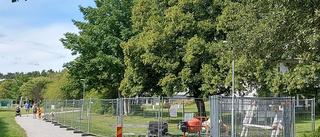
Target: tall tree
100 58
175 49
264 34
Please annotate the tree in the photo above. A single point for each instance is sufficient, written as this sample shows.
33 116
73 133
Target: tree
100 59
264 34
175 49
56 89
15 93
5 88
34 88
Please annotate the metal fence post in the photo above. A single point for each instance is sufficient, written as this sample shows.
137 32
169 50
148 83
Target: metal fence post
72 113
59 109
65 112
112 109
182 108
55 110
313 113
293 116
89 115
159 116
80 103
117 111
121 111
214 116
44 109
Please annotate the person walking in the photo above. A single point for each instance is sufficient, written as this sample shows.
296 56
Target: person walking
27 105
34 108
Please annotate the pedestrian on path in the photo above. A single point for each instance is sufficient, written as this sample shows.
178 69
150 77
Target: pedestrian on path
34 107
27 105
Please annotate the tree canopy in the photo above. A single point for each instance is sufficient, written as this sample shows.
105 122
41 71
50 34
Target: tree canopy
264 34
34 88
100 57
174 49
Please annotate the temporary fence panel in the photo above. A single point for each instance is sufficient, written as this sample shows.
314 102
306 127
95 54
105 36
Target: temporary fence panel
256 117
102 117
193 111
149 116
6 103
141 116
305 112
76 118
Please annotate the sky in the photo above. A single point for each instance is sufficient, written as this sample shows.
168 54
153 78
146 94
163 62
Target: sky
30 32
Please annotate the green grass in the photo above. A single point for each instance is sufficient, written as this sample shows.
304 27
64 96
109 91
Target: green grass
8 125
301 126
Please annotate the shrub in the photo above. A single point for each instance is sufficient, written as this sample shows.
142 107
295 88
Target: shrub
189 102
97 107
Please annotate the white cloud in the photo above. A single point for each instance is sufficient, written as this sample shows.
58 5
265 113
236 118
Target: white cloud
34 46
30 33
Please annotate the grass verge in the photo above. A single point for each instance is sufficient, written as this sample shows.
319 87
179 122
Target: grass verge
8 125
305 126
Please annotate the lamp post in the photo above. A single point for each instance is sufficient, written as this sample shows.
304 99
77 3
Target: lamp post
232 113
84 88
232 98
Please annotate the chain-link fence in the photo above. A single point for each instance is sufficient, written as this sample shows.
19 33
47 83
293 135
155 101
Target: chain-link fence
253 117
305 113
89 116
158 116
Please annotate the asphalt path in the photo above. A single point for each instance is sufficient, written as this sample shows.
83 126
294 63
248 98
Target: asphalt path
40 128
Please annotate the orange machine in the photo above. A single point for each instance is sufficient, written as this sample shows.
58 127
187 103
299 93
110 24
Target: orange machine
193 126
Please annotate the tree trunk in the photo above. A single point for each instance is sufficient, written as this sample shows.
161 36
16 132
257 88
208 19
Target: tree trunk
201 107
199 101
129 106
125 107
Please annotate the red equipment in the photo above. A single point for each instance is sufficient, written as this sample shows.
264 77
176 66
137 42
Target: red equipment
193 126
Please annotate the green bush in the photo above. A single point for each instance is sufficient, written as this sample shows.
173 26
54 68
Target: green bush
110 110
97 107
189 102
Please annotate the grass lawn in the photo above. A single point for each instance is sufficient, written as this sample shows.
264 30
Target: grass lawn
8 125
302 125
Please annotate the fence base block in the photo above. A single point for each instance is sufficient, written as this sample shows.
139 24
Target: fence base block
76 131
62 126
88 135
70 128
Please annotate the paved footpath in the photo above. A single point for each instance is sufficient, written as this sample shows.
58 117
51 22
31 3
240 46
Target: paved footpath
40 128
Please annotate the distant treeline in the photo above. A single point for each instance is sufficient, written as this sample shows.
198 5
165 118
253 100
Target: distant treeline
34 74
